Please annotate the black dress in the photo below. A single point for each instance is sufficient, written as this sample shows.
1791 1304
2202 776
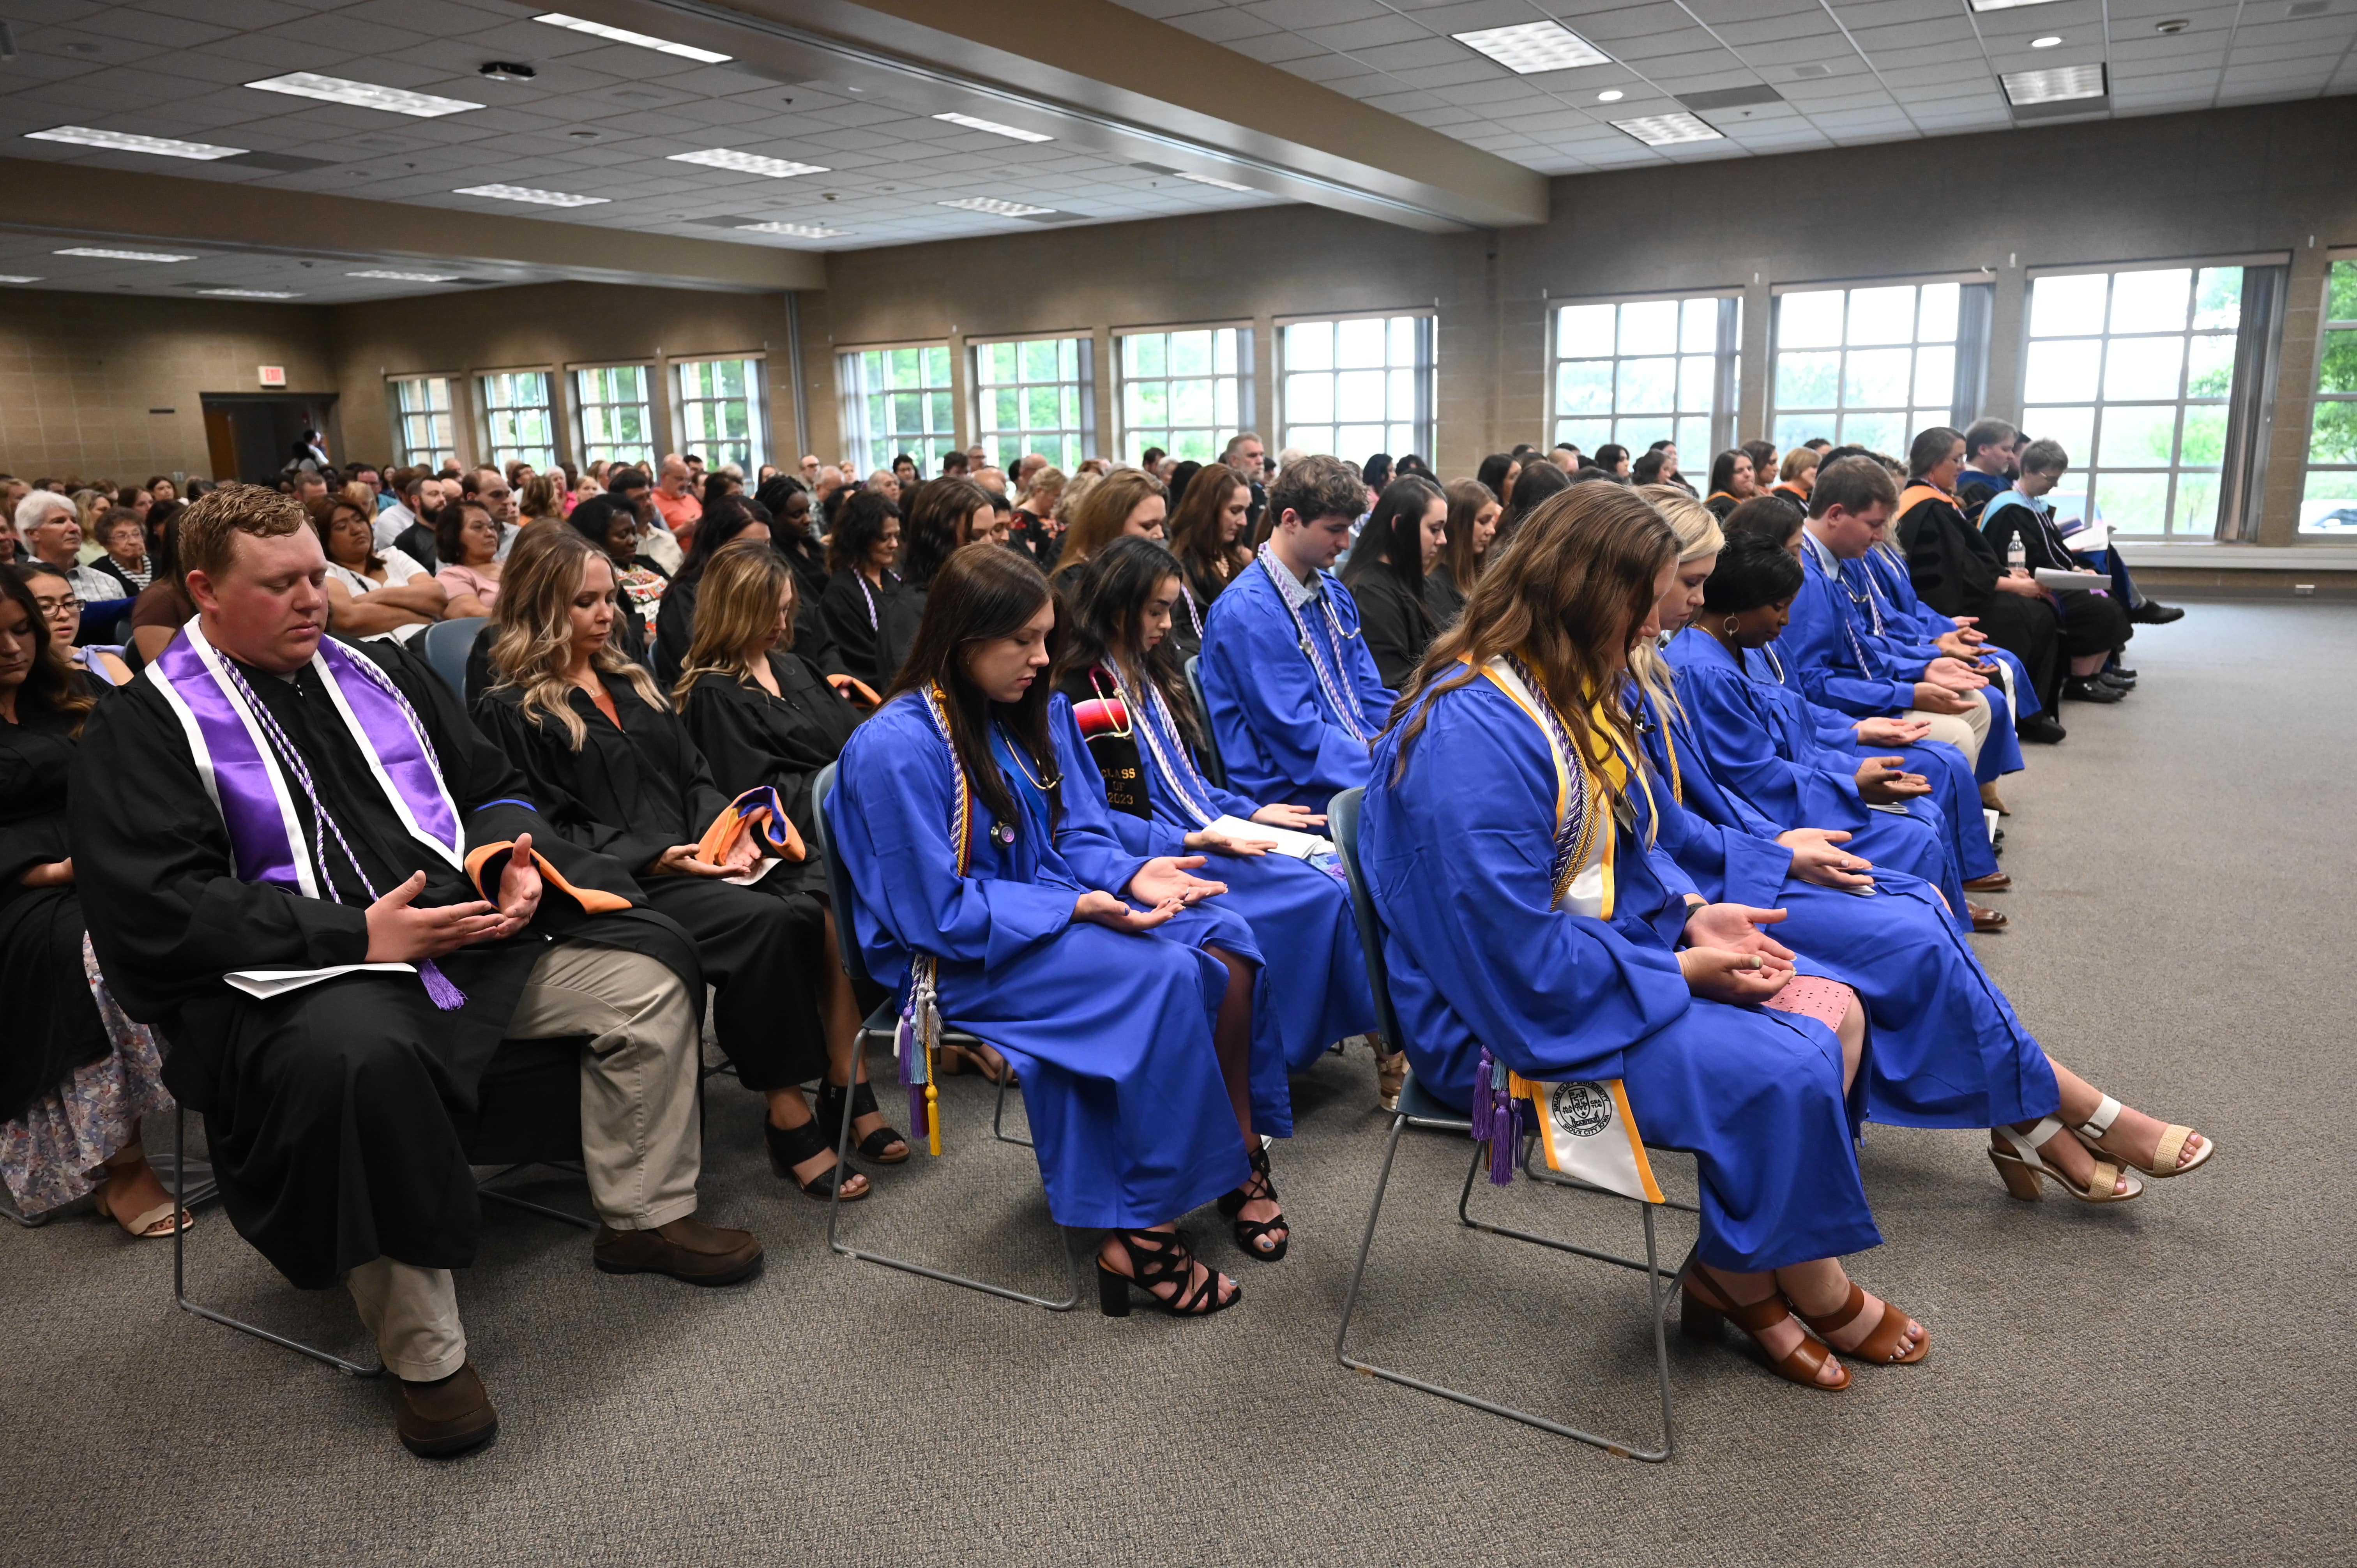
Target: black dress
1398 624
749 739
873 626
1442 599
632 791
53 1023
2091 622
1955 570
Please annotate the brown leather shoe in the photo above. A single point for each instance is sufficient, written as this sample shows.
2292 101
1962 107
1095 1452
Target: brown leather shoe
1995 882
686 1249
1984 918
448 1416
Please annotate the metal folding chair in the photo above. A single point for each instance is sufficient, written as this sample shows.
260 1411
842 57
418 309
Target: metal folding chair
1215 766
1420 1109
884 1024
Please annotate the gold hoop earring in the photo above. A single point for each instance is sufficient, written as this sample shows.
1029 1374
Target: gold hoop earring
1728 625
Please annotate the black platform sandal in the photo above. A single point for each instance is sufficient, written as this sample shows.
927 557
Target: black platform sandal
862 1103
1159 1257
1251 1233
790 1146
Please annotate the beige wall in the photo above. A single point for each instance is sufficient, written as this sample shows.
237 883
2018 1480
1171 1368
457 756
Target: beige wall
82 374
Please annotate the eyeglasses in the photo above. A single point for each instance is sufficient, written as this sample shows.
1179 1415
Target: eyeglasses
52 607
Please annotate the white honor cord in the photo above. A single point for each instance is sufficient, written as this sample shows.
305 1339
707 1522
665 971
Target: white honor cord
1346 710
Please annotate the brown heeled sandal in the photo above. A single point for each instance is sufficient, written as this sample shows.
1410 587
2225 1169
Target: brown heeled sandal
2165 1157
2025 1174
1699 1317
1876 1347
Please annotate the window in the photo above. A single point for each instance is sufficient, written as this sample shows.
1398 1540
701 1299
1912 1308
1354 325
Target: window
895 401
719 405
1647 370
517 420
1356 387
1870 367
616 423
1186 392
425 430
2132 372
2330 503
1034 396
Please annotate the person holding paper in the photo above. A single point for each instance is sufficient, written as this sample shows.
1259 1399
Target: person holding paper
612 768
2095 625
264 800
1957 573
1119 681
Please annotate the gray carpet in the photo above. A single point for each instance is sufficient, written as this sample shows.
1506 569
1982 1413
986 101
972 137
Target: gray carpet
2166 1382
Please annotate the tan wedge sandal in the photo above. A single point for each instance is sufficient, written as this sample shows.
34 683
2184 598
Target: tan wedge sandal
2164 1158
2025 1174
1879 1348
1699 1317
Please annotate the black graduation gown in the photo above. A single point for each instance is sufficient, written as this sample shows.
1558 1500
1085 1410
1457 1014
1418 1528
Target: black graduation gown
2092 623
675 629
749 739
1442 599
872 649
331 1112
1029 534
1955 572
53 1023
1398 624
632 792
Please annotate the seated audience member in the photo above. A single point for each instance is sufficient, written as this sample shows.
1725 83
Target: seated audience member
1207 532
886 483
1793 480
611 768
1731 482
1037 532
1613 458
1130 501
1958 573
675 500
407 507
495 490
905 471
543 495
1295 696
1182 473
61 612
1647 470
1499 472
631 490
871 617
1764 457
1545 930
368 594
1472 523
123 534
271 800
1668 451
724 520
52 533
469 544
1386 574
939 519
1131 1027
791 511
76 1074
1534 485
613 530
1120 684
1991 446
2096 624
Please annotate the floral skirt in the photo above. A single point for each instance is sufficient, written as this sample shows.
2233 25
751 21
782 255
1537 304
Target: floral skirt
53 1153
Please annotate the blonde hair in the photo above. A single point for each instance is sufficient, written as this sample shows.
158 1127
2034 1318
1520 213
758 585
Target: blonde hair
541 497
1049 481
1698 535
1075 491
1104 505
1798 461
531 633
736 602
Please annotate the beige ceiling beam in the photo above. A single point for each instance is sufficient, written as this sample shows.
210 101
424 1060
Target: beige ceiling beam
77 200
1122 84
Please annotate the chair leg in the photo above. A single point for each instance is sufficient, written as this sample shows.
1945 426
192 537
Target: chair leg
998 1117
180 1276
834 1228
483 1188
1464 1196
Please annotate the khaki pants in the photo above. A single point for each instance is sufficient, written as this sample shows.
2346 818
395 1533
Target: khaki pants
1964 731
641 1144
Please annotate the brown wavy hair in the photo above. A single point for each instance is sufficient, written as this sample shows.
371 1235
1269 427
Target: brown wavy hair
1193 529
1097 519
737 603
51 682
531 632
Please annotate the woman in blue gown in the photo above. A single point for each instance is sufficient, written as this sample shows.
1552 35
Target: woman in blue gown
1537 921
1128 706
1134 1047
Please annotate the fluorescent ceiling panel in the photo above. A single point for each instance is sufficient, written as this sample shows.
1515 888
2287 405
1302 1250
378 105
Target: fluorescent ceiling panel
363 95
971 124
12 277
797 230
525 193
389 276
1528 47
1221 184
249 293
126 142
747 163
996 207
105 254
1666 130
624 35
2059 85
2005 5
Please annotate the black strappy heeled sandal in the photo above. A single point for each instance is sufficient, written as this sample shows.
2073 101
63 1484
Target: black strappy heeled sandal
1159 1257
862 1103
1250 1234
790 1146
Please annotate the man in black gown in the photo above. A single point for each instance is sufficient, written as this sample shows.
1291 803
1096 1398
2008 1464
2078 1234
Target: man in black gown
330 1109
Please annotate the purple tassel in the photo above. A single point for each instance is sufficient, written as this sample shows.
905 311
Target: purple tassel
905 1041
1494 1119
1505 1143
447 996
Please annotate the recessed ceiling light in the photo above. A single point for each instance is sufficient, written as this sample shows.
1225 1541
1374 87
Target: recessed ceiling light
2173 27
994 127
747 163
1530 46
525 193
2047 42
505 70
2003 5
624 35
2055 86
363 95
249 293
389 276
1610 95
1667 130
108 255
796 230
12 277
125 142
1221 184
996 207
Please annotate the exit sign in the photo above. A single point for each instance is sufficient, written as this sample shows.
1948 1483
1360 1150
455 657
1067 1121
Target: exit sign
274 375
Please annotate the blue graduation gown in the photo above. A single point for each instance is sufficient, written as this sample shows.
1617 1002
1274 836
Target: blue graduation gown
1480 954
1898 586
1299 914
1916 626
1112 1032
1279 732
